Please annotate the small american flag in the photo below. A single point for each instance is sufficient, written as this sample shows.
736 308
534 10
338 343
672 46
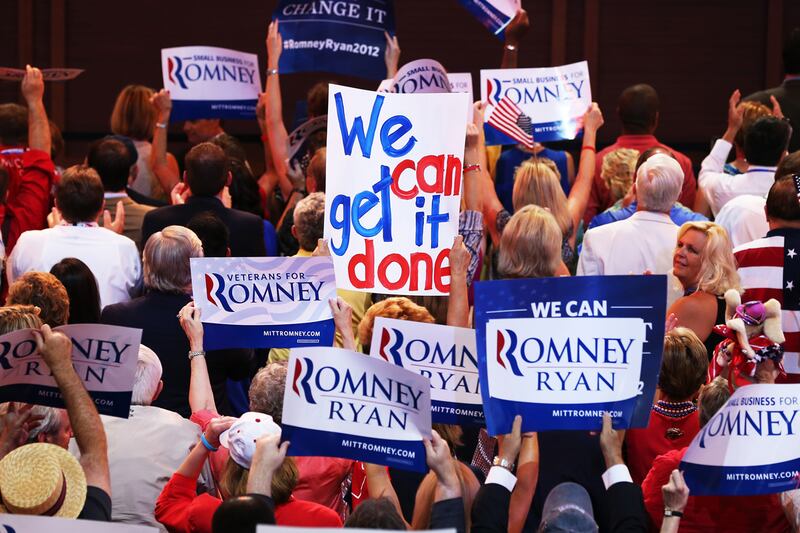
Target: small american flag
509 119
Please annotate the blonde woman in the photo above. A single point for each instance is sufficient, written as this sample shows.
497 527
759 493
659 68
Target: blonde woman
136 116
537 181
703 262
530 246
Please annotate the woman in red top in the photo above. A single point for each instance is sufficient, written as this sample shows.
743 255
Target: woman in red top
673 418
179 508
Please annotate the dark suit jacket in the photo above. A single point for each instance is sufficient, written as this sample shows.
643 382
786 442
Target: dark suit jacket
140 198
246 229
155 314
490 509
626 509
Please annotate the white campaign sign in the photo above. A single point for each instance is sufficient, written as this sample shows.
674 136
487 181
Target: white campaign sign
750 446
394 165
345 404
564 360
554 98
459 82
446 355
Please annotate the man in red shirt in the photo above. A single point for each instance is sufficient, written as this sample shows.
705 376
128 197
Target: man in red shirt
638 111
30 172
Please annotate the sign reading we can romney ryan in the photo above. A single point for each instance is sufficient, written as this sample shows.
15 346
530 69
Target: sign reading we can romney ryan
339 403
561 351
551 101
17 523
264 302
393 192
445 355
341 36
750 446
103 356
210 82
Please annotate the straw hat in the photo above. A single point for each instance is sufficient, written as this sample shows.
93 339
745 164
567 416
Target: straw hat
42 479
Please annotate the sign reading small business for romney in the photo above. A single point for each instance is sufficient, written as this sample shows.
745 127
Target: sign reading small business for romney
264 302
339 403
210 82
750 446
561 351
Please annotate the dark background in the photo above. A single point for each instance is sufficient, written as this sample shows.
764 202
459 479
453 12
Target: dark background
695 52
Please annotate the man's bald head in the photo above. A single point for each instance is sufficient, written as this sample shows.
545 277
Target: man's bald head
638 109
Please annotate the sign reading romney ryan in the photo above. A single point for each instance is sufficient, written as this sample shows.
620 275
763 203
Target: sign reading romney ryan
341 36
210 82
264 302
339 403
445 355
750 446
551 100
103 356
393 193
493 14
560 351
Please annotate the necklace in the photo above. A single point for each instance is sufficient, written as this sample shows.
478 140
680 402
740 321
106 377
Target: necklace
674 409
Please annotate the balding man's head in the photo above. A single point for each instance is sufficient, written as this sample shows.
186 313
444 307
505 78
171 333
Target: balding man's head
206 169
638 109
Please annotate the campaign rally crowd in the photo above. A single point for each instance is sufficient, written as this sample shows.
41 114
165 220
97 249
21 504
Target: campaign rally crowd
109 241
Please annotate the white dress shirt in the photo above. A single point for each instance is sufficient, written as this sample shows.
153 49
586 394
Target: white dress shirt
645 241
144 451
112 258
719 188
744 219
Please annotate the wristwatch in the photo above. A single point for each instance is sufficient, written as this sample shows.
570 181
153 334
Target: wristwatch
502 463
198 353
670 512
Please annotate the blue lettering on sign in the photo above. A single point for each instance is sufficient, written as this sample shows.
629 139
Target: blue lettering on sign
388 135
771 423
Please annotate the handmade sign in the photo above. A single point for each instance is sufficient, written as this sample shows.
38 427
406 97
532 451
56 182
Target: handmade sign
345 37
393 192
561 351
549 101
493 14
446 355
749 447
210 82
103 356
17 523
264 302
48 74
339 403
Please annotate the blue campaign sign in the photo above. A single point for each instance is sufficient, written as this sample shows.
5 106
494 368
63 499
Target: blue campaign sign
341 37
445 355
750 446
211 82
493 14
264 302
560 351
339 403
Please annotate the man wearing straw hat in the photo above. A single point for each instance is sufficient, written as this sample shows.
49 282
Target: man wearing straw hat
44 479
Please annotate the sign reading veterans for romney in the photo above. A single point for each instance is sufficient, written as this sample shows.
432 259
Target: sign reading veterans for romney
393 191
264 302
750 446
561 351
17 523
339 403
103 356
551 101
341 36
445 355
493 14
210 82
